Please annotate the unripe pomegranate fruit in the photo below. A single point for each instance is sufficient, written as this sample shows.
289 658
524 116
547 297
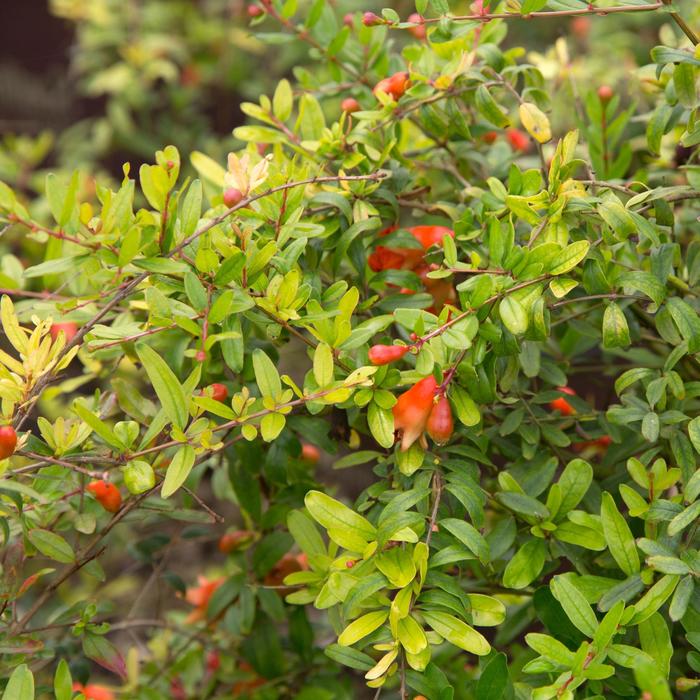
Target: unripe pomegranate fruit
561 404
107 494
605 93
310 453
69 328
418 31
384 354
412 410
218 392
518 140
8 441
233 541
440 425
232 196
350 105
255 11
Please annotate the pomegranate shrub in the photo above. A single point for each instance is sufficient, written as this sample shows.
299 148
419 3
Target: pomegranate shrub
466 275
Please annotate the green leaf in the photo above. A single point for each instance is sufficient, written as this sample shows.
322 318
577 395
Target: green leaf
178 470
575 605
457 632
574 482
616 332
690 515
687 322
469 536
525 565
305 534
411 635
100 427
656 641
513 315
644 282
651 681
333 514
208 168
166 385
694 433
21 684
362 627
266 374
191 209
550 648
62 681
568 258
282 101
617 218
352 658
654 598
51 545
608 626
323 365
618 536
488 108
494 679
523 504
381 424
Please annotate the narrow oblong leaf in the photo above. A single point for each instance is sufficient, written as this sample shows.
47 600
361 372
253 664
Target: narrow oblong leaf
166 385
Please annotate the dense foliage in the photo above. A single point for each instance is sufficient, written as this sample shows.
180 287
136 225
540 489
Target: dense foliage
467 275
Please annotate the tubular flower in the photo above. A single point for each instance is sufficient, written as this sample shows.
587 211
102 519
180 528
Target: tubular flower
200 596
561 404
440 425
384 354
412 410
385 258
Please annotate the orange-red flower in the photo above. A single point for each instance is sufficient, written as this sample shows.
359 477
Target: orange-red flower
561 404
93 691
412 410
200 595
106 493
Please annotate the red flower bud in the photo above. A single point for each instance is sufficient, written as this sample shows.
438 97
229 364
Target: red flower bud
490 136
200 356
412 410
384 354
605 93
8 441
255 11
350 563
232 196
218 392
395 85
518 140
369 19
233 541
213 661
107 494
440 425
350 105
418 31
349 20
69 328
310 453
561 404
